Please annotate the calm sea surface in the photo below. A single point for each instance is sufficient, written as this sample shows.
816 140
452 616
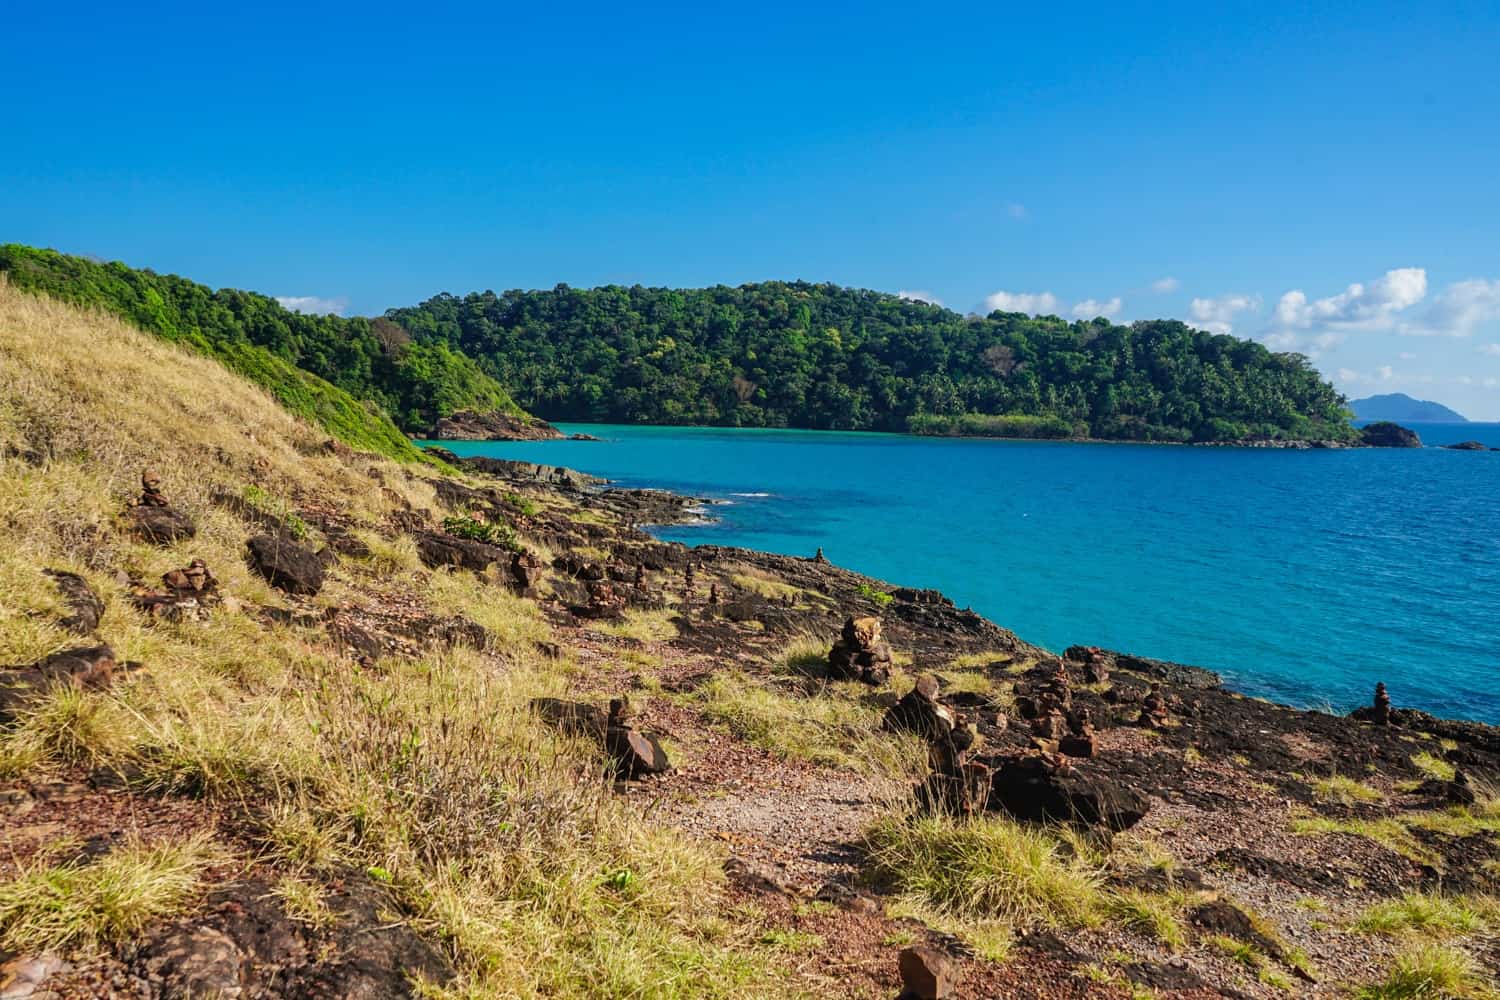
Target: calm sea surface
1300 576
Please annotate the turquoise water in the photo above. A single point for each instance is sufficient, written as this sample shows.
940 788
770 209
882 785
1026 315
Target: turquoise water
1303 576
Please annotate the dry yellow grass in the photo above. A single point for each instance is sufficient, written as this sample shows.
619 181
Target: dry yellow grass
500 837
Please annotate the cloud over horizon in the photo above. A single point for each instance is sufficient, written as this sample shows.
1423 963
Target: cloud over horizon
1217 315
313 305
1358 307
918 295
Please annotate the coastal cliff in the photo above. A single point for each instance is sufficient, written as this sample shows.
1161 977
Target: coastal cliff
282 717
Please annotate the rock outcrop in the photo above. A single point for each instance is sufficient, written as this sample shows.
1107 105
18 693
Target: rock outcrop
1385 434
467 425
153 519
90 667
1467 446
860 653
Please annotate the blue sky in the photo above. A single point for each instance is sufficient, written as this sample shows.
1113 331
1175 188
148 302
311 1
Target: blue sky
1322 179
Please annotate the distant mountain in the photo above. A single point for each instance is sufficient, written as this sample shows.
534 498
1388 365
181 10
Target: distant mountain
1399 406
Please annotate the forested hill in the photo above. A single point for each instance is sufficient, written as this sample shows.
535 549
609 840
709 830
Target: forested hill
821 356
374 361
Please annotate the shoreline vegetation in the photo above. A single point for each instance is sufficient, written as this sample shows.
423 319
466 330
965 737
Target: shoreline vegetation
286 717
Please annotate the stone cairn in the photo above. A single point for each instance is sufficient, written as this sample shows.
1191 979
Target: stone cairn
525 573
1056 726
1079 742
1382 712
1154 714
185 593
955 785
634 753
1095 665
151 494
153 519
860 653
604 602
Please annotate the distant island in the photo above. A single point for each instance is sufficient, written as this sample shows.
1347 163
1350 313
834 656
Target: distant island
774 354
1401 407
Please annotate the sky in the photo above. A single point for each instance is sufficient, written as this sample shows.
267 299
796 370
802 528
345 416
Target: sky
1324 180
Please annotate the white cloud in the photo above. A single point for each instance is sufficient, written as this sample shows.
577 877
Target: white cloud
1358 307
1217 315
1490 349
1409 356
1386 374
1015 209
1090 308
918 295
1459 310
1167 284
313 305
1026 302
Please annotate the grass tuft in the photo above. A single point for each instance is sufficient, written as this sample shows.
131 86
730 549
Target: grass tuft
111 899
1430 972
988 868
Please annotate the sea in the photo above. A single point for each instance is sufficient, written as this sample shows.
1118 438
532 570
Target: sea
1299 576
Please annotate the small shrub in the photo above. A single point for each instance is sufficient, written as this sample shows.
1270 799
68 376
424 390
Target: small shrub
878 596
470 527
527 507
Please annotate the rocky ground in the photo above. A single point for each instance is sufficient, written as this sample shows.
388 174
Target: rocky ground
1233 846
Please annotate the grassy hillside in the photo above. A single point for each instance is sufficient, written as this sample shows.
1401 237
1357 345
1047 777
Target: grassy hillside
797 354
358 378
273 755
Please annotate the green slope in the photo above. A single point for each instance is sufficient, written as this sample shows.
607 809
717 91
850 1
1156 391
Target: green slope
817 355
364 380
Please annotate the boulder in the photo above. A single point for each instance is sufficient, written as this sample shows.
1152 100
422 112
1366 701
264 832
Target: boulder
439 549
926 974
286 563
1036 789
160 525
85 608
1385 434
633 752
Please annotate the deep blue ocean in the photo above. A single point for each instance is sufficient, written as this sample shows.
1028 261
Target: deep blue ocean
1302 576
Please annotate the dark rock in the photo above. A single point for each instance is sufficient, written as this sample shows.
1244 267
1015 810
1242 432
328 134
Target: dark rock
572 718
1385 434
439 549
286 563
84 605
926 974
1467 446
160 525
1035 789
